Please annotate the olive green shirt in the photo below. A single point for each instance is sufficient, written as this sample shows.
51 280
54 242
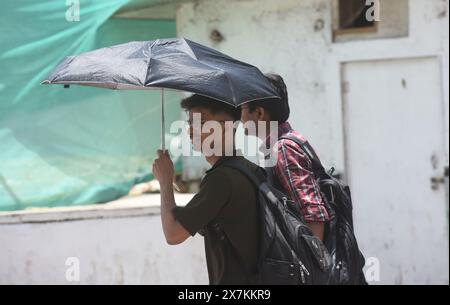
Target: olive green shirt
228 198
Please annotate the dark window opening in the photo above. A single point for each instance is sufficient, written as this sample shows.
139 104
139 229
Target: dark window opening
352 15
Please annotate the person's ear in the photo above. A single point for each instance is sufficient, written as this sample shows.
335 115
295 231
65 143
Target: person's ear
260 113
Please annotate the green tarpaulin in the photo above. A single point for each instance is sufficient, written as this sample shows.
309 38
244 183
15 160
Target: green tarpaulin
81 145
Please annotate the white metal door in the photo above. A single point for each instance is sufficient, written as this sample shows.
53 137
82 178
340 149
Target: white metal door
394 145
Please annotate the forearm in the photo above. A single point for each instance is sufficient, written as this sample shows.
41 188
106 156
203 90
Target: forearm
167 204
173 230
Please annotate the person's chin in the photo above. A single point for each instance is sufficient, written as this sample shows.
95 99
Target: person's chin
248 133
197 147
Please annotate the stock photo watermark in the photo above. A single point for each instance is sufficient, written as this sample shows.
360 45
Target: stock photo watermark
73 10
373 11
73 269
197 137
372 270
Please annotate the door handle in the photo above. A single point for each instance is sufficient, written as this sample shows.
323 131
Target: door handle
437 180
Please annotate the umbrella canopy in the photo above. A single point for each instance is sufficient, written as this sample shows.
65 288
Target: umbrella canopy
178 64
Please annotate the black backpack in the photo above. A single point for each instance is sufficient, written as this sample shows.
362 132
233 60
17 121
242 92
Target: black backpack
289 252
339 239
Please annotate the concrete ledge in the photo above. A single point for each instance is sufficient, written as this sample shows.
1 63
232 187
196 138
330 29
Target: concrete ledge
148 204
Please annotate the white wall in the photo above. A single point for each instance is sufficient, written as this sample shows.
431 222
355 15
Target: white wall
114 246
276 36
280 36
285 37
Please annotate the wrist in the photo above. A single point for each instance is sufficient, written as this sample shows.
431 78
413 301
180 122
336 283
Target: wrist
165 185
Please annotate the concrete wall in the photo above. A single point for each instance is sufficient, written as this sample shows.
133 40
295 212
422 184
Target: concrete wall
295 39
117 243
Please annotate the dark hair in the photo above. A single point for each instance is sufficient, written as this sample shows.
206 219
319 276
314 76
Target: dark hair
214 106
278 109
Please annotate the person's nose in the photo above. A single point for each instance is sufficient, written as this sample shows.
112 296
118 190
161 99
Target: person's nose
243 117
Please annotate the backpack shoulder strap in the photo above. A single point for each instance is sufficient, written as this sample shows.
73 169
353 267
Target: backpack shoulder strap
260 184
241 167
308 150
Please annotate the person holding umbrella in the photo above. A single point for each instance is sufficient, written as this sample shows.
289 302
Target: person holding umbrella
225 197
220 84
292 171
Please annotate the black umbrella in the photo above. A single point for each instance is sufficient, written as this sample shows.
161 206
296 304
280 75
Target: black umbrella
178 64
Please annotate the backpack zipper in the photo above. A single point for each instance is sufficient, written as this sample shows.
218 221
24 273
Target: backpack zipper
303 271
302 275
284 201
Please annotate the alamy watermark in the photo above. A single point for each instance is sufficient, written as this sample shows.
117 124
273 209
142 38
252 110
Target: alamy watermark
217 138
373 12
73 10
73 269
372 269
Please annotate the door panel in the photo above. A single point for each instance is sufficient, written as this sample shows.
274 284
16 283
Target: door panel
394 146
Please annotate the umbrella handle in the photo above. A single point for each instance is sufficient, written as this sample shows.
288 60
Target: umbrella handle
163 133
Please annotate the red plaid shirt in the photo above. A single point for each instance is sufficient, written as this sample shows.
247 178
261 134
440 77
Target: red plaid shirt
294 174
